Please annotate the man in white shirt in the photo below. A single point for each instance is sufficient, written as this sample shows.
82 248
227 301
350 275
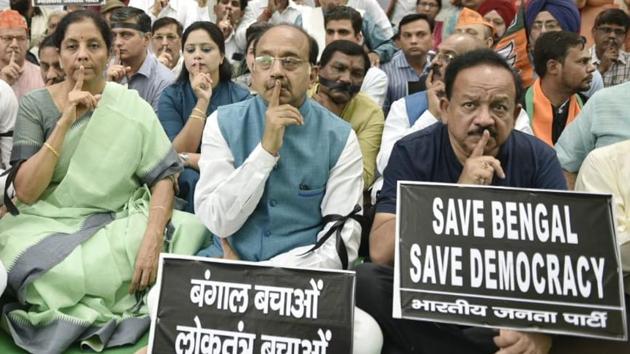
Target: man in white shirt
229 15
8 112
273 12
343 22
607 170
276 168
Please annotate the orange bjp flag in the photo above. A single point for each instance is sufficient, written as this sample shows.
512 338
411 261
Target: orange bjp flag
513 47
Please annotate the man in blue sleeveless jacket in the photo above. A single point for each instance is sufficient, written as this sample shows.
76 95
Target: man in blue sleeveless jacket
279 170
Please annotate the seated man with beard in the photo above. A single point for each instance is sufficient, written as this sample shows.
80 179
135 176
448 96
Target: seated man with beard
564 68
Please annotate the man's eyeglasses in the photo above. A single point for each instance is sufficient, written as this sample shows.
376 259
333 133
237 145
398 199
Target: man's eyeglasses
9 39
619 32
265 62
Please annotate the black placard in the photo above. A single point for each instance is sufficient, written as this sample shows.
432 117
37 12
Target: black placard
536 260
215 306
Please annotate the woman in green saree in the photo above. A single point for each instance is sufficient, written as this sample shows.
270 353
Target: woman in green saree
95 188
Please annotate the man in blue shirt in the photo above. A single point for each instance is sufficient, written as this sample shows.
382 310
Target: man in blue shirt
478 145
133 64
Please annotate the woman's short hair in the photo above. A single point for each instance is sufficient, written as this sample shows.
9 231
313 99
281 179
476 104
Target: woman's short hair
80 16
225 69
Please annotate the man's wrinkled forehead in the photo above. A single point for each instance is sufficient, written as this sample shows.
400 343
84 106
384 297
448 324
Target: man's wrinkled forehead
484 81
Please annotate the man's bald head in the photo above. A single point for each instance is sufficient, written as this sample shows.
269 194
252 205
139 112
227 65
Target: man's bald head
464 43
453 46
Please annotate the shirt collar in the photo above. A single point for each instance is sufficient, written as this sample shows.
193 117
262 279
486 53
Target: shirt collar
147 66
401 61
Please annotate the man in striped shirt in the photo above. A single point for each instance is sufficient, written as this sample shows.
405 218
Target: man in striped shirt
415 39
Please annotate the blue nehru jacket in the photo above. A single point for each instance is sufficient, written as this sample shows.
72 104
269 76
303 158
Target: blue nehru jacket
288 214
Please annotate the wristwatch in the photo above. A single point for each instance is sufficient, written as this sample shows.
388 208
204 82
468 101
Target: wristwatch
185 158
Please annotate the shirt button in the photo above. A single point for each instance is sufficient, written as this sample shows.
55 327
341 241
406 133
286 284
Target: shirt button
273 203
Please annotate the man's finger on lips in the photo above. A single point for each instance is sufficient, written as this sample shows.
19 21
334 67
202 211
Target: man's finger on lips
481 144
275 94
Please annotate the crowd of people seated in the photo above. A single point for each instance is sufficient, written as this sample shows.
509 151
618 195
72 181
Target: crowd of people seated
235 129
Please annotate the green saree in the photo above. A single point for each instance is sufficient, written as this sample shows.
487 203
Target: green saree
70 256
